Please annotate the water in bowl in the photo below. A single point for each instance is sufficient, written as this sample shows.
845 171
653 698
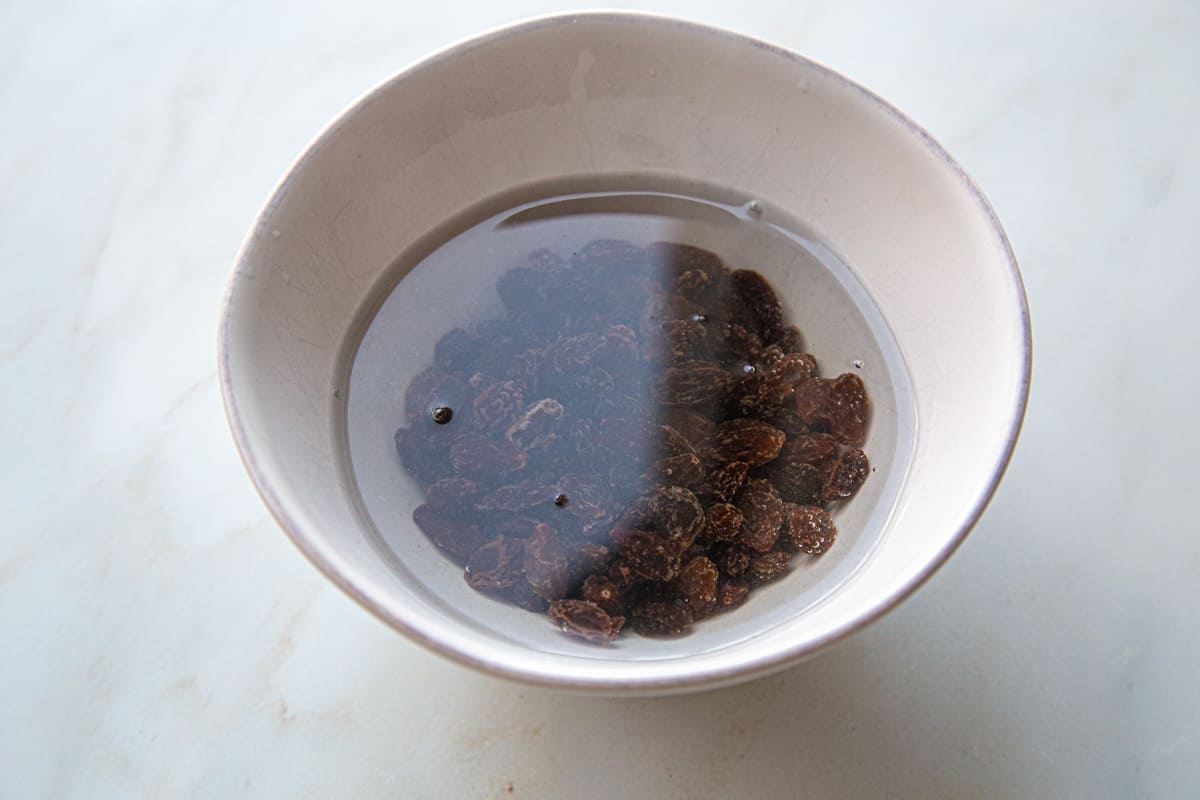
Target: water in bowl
450 281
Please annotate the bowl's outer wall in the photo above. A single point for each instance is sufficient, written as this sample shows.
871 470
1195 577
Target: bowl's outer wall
612 93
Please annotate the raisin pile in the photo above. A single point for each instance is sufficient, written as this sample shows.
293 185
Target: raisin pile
640 440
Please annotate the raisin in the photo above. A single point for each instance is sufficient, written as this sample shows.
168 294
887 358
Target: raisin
783 368
537 420
797 482
495 565
585 620
762 514
687 269
603 592
545 260
447 494
697 585
811 529
724 482
731 593
739 342
649 556
420 452
766 567
748 440
757 301
840 403
844 475
674 340
681 470
696 428
676 514
435 387
690 383
455 352
610 256
618 349
591 557
477 455
809 448
722 522
452 536
546 563
731 558
662 617
517 496
498 406
790 340
587 496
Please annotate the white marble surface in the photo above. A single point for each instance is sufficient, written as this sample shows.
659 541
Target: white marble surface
162 639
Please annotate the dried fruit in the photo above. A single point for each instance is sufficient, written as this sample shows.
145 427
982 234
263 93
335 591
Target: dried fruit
722 522
840 404
599 589
762 514
766 567
690 383
495 565
546 563
697 586
586 620
724 482
731 593
476 455
649 556
844 475
680 449
749 440
810 529
662 617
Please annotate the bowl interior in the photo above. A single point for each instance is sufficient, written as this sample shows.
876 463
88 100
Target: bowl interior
935 312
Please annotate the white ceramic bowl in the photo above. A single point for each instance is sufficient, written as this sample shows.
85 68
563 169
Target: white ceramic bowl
604 95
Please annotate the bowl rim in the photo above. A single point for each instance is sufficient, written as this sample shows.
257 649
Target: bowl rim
713 678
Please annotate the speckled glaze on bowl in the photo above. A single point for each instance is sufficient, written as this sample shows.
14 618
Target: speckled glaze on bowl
603 94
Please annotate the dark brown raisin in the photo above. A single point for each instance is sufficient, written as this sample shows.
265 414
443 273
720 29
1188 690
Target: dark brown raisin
536 421
609 256
697 585
674 340
676 514
649 556
810 529
585 620
724 482
476 455
731 593
739 342
435 387
689 270
495 565
722 522
790 340
603 592
456 351
681 470
757 301
809 448
690 383
731 558
762 514
456 538
844 475
517 496
448 494
587 496
696 428
546 563
840 403
766 567
797 482
662 617
748 440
